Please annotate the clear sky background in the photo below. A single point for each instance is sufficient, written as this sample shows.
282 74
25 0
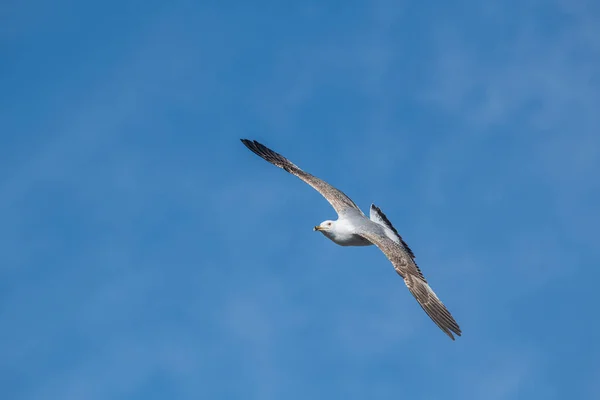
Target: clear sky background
145 253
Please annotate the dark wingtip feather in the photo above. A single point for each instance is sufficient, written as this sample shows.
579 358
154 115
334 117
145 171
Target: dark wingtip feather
434 307
269 155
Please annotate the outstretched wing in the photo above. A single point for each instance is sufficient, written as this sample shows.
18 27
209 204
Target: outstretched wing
338 200
415 281
376 215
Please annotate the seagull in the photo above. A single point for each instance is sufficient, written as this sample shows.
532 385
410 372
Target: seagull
353 228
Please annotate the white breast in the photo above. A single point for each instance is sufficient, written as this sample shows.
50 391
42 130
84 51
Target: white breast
343 235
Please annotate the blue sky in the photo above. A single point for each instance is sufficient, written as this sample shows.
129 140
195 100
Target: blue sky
145 253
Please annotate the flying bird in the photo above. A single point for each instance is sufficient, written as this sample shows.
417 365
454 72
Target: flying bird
353 228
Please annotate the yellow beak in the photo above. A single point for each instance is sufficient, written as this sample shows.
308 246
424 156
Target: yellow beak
317 228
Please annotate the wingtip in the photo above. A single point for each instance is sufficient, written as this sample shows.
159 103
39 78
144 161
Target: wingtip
454 331
250 144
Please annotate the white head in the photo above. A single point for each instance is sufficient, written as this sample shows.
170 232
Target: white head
325 226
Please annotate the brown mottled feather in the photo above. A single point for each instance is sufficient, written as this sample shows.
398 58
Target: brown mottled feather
387 222
401 256
415 281
338 199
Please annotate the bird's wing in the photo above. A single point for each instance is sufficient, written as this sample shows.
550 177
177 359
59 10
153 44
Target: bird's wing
415 281
376 215
339 201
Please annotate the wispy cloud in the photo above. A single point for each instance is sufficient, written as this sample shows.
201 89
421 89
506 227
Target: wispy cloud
72 245
522 104
147 252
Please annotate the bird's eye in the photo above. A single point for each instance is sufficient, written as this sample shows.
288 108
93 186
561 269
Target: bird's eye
329 224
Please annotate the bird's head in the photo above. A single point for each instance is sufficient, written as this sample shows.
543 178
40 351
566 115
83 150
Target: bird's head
324 226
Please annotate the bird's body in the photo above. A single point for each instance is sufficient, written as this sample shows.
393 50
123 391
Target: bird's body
344 230
353 228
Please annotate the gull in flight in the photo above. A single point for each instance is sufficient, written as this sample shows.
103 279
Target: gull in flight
353 228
